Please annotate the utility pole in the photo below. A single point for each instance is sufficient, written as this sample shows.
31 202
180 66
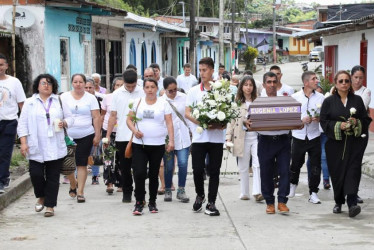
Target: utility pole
274 36
232 61
184 17
221 48
192 35
198 13
246 21
15 2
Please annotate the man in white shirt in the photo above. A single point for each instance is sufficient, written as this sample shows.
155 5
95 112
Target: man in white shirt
120 109
210 142
12 97
139 81
158 77
307 140
186 80
282 88
274 147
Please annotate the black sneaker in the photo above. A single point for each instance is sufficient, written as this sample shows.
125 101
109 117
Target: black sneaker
2 188
127 198
138 210
95 180
211 209
197 206
152 207
7 183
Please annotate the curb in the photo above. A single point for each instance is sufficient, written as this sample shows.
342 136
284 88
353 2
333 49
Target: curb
15 191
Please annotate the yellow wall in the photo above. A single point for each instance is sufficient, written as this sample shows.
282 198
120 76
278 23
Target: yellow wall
296 46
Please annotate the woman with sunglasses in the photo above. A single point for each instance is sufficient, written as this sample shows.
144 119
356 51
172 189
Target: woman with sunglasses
42 140
182 141
345 121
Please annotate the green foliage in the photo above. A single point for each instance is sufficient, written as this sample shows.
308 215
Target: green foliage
325 83
17 159
249 57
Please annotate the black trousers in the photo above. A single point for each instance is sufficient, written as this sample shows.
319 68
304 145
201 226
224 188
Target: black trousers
45 178
141 156
215 153
8 131
299 149
125 167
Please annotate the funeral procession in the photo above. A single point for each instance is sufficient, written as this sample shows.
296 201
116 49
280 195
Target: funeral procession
186 124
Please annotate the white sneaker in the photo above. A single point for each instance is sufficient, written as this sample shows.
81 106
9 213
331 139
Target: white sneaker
292 190
313 198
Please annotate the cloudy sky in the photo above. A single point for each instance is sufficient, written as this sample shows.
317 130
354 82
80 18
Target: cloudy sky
327 2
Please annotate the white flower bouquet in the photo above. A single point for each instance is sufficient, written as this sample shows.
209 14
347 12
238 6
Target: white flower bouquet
216 107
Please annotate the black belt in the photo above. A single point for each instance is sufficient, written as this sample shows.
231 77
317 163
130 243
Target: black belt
273 137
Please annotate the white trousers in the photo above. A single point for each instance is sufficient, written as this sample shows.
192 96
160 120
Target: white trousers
250 150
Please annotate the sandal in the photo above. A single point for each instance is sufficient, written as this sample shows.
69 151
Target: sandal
49 213
73 193
109 190
161 192
81 199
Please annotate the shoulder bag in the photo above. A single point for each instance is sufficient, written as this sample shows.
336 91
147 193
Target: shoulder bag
128 150
68 165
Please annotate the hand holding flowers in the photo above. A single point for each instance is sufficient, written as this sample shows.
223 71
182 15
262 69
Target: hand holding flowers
349 127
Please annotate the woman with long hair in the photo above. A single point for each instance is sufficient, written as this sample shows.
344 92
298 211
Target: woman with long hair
245 141
345 121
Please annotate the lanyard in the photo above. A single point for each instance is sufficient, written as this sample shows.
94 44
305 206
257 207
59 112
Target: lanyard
47 110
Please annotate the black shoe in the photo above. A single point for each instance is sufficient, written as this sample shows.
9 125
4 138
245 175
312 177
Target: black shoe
7 183
2 188
354 210
126 197
95 180
152 207
337 209
211 209
359 200
138 210
197 206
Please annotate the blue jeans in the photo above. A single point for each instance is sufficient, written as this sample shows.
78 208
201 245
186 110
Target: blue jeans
8 131
182 158
325 169
95 170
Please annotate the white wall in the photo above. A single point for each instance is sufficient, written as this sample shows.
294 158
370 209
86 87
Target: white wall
349 52
139 37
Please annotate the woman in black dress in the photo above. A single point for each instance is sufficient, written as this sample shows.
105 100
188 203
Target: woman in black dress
345 121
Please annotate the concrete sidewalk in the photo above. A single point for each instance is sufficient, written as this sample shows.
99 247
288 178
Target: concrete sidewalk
104 222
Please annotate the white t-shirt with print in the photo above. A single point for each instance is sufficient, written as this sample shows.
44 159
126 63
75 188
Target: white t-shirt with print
194 96
11 93
81 111
152 123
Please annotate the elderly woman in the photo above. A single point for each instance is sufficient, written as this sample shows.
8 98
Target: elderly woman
245 141
85 131
182 141
345 121
149 133
42 140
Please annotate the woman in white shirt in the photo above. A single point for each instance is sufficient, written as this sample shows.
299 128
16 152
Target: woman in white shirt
182 141
245 141
42 140
149 142
85 131
358 76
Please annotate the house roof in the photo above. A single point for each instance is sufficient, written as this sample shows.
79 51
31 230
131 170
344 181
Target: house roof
256 31
84 6
349 11
4 32
139 22
366 22
207 19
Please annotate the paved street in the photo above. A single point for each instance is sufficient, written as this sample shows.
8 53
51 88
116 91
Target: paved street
105 222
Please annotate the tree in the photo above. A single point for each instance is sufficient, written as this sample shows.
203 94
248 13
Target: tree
249 57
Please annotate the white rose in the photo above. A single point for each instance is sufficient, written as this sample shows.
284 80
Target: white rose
363 135
352 111
221 116
318 105
196 113
105 140
234 105
200 105
229 144
131 103
212 115
212 103
199 130
327 94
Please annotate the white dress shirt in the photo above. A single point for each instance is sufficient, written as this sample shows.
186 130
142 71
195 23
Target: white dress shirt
365 94
285 90
181 132
186 82
310 130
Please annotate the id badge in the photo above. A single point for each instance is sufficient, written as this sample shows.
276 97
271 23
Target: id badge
50 131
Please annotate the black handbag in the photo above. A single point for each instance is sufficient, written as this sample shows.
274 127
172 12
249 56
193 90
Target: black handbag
68 165
97 158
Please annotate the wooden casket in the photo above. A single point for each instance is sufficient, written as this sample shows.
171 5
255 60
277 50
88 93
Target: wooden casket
275 113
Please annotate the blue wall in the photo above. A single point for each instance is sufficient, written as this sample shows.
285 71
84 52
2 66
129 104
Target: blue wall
57 26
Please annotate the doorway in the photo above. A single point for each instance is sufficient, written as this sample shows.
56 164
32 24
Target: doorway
65 64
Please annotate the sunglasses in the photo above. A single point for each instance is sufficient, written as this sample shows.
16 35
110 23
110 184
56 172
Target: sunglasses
346 81
44 83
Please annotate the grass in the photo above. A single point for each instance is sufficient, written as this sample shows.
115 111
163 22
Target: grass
17 159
